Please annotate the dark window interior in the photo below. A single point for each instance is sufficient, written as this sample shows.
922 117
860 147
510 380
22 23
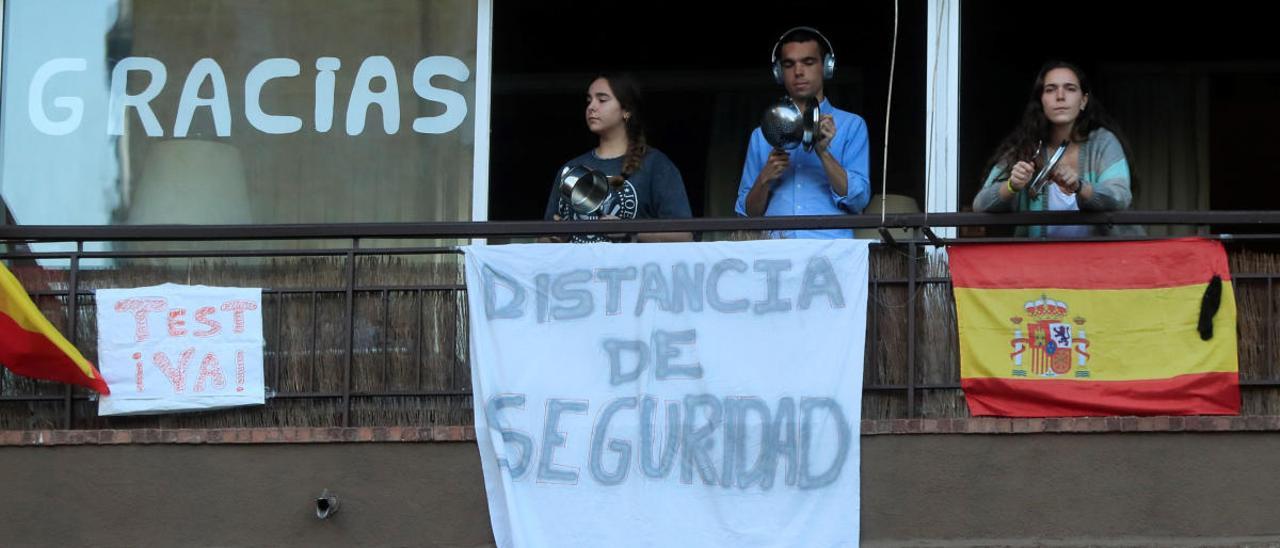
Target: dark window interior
1230 46
699 71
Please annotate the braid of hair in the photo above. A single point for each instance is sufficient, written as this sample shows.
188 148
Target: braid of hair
637 148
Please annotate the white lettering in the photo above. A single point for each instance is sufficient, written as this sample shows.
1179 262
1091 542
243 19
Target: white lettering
218 105
362 96
267 70
121 100
365 93
35 97
324 92
455 104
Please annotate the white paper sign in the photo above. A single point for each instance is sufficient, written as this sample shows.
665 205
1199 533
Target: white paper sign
699 394
179 348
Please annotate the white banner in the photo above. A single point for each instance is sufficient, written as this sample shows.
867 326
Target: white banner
704 394
179 348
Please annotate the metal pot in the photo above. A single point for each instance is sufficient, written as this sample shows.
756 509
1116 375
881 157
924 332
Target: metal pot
786 126
586 189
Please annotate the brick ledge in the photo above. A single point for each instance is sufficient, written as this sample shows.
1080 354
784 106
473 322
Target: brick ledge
1080 425
397 434
233 436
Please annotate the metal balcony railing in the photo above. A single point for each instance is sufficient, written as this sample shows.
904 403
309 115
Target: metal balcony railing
366 323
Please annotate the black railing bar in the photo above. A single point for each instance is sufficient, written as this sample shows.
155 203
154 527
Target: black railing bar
303 396
1242 237
366 350
874 297
39 398
297 291
412 393
977 240
925 386
922 280
232 253
487 229
1269 325
370 394
419 357
1254 383
1251 384
933 238
406 288
349 318
460 339
78 396
315 340
911 329
278 334
1225 237
382 394
904 387
454 250
73 317
338 252
385 332
463 287
410 250
354 394
1259 383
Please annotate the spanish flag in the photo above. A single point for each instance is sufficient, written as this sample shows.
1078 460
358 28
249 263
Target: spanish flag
31 347
1090 329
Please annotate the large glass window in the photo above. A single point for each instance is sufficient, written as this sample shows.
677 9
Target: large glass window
231 111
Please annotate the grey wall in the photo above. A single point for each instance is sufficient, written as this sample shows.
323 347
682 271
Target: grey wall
427 494
1201 488
1189 488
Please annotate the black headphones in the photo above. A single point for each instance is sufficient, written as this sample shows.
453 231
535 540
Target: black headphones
828 60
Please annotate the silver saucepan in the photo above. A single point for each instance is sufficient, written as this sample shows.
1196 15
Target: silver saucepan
586 189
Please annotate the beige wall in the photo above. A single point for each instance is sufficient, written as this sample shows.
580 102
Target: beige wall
1189 489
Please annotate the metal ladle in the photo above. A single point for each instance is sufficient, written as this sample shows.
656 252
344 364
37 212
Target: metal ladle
786 125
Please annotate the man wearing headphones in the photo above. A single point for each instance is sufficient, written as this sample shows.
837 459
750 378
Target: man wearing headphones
829 180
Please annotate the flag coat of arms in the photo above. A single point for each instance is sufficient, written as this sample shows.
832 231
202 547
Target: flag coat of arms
1093 329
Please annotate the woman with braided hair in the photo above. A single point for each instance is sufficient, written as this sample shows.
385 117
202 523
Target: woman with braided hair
645 184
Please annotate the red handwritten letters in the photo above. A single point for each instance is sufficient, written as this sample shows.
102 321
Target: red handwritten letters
206 323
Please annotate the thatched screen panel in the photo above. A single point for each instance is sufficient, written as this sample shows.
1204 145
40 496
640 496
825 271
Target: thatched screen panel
374 338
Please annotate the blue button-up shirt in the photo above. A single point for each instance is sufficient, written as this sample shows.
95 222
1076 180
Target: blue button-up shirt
803 188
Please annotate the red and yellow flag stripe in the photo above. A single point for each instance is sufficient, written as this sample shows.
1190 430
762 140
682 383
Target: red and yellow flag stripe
1125 316
31 347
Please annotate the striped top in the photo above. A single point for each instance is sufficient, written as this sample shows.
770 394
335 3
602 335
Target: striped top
1102 164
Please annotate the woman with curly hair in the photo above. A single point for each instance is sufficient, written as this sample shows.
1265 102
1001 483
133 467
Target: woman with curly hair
1091 175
